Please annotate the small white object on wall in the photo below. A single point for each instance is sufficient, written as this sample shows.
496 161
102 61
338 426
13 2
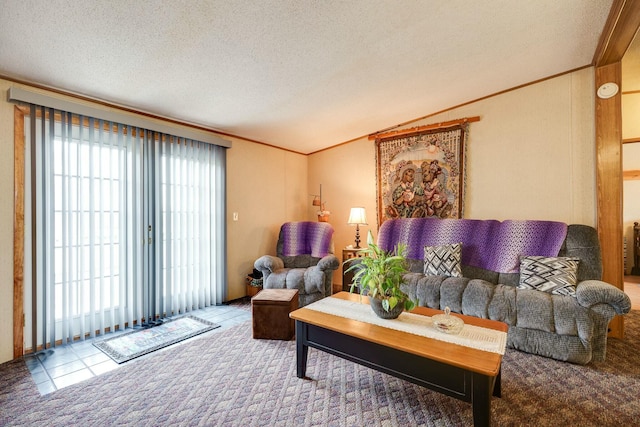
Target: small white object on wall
607 90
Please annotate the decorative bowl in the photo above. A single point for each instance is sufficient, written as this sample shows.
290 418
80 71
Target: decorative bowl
447 323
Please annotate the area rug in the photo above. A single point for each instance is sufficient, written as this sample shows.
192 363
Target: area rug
137 343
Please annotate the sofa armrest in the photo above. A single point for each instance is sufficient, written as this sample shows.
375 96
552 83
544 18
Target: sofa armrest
328 263
593 292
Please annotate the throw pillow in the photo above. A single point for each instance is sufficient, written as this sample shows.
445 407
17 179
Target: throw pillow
557 275
443 260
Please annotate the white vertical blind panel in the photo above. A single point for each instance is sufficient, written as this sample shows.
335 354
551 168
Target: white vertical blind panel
158 226
62 226
112 194
100 229
190 236
82 223
124 313
92 234
166 235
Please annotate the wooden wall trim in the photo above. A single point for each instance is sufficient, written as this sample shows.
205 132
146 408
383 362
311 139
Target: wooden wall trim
620 29
618 33
631 175
609 183
18 232
418 129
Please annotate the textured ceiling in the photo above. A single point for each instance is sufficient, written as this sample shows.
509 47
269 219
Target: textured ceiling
302 75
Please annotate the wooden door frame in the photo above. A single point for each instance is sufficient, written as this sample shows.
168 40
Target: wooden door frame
18 230
621 27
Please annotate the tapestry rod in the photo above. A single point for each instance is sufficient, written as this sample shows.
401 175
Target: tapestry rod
424 128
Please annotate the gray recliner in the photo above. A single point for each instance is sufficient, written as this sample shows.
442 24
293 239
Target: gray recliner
304 261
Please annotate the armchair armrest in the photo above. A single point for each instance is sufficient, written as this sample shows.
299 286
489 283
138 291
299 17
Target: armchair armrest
328 263
593 292
318 278
267 264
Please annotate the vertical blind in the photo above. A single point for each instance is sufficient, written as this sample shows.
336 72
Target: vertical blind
127 225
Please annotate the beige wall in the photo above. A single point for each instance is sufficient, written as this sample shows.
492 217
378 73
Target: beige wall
630 162
631 115
631 205
6 226
630 151
531 156
348 178
265 186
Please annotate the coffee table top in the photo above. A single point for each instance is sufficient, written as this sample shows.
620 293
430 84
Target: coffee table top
483 362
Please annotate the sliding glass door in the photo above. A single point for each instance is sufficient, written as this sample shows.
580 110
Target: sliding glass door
126 226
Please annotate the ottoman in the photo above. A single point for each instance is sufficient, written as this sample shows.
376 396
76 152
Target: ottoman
270 310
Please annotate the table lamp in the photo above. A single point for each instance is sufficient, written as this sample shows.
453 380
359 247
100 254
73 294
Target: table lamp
357 217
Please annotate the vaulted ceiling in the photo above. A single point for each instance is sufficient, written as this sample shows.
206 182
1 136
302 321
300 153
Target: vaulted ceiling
298 74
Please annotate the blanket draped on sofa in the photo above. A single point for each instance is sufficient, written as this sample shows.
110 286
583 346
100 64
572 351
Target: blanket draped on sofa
488 244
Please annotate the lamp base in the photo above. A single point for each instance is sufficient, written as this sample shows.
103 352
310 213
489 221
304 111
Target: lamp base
357 237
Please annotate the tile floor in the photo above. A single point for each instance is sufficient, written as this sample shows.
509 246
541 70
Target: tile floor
62 366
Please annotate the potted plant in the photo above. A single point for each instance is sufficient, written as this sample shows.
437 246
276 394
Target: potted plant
323 214
378 274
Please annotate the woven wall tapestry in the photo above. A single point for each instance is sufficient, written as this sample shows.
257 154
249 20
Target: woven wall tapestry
421 174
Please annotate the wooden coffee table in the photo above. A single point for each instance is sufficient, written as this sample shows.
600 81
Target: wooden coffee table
462 372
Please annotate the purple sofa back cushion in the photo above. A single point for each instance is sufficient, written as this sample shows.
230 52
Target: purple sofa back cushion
487 244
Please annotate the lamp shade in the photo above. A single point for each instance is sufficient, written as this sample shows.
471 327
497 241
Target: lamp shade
357 216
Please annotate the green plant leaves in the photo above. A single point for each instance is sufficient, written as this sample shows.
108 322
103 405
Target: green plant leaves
379 274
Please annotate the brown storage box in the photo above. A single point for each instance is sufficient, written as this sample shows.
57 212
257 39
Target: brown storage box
270 310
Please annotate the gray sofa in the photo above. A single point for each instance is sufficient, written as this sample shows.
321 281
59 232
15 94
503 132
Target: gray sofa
304 261
571 328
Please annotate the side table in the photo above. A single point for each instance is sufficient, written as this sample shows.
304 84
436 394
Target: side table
347 276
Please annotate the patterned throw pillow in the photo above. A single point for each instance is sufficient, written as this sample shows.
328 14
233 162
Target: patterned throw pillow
557 275
443 260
